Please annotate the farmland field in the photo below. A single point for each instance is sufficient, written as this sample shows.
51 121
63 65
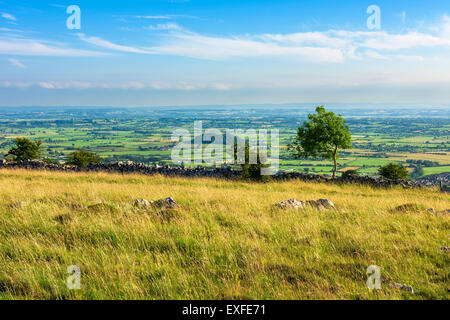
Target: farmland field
406 136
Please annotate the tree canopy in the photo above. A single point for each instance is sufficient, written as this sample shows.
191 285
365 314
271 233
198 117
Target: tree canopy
321 137
81 158
393 171
25 149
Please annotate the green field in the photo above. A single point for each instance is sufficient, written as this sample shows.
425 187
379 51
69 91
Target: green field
144 135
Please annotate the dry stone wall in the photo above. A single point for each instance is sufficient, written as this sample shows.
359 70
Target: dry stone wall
216 172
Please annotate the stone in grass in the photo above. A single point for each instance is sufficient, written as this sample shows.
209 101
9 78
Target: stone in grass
445 249
142 203
321 204
326 203
167 203
404 287
292 204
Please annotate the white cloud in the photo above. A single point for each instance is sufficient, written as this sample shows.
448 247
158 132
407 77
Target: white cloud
20 85
8 16
215 48
161 17
445 29
385 41
31 47
9 30
166 17
375 55
164 26
108 45
16 63
218 48
131 85
328 46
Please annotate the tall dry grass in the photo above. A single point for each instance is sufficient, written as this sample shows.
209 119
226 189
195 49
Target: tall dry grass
227 241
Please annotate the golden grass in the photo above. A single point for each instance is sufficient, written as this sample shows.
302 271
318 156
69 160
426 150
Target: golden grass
227 240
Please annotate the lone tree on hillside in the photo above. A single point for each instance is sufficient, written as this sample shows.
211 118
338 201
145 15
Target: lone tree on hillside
81 158
322 136
25 149
393 171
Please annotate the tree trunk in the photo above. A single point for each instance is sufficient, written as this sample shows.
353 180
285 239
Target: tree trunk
335 162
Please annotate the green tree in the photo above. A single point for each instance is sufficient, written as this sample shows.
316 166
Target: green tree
417 173
25 149
81 158
393 171
322 136
251 171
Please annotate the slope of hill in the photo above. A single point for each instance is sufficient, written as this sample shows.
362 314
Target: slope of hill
227 240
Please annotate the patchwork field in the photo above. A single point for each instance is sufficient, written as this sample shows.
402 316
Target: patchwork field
144 134
227 240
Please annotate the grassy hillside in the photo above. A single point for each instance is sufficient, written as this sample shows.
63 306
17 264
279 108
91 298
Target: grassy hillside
227 240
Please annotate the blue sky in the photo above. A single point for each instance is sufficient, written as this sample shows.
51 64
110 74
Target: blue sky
200 52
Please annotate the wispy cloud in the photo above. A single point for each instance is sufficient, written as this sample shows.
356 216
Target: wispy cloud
133 85
161 17
10 30
8 16
166 17
108 45
164 26
19 85
328 46
218 48
16 63
215 48
32 47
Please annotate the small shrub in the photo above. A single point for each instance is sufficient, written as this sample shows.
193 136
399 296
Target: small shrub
350 173
82 158
393 171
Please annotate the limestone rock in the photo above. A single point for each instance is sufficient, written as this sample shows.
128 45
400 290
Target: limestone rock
291 204
321 204
142 203
167 203
326 203
404 287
